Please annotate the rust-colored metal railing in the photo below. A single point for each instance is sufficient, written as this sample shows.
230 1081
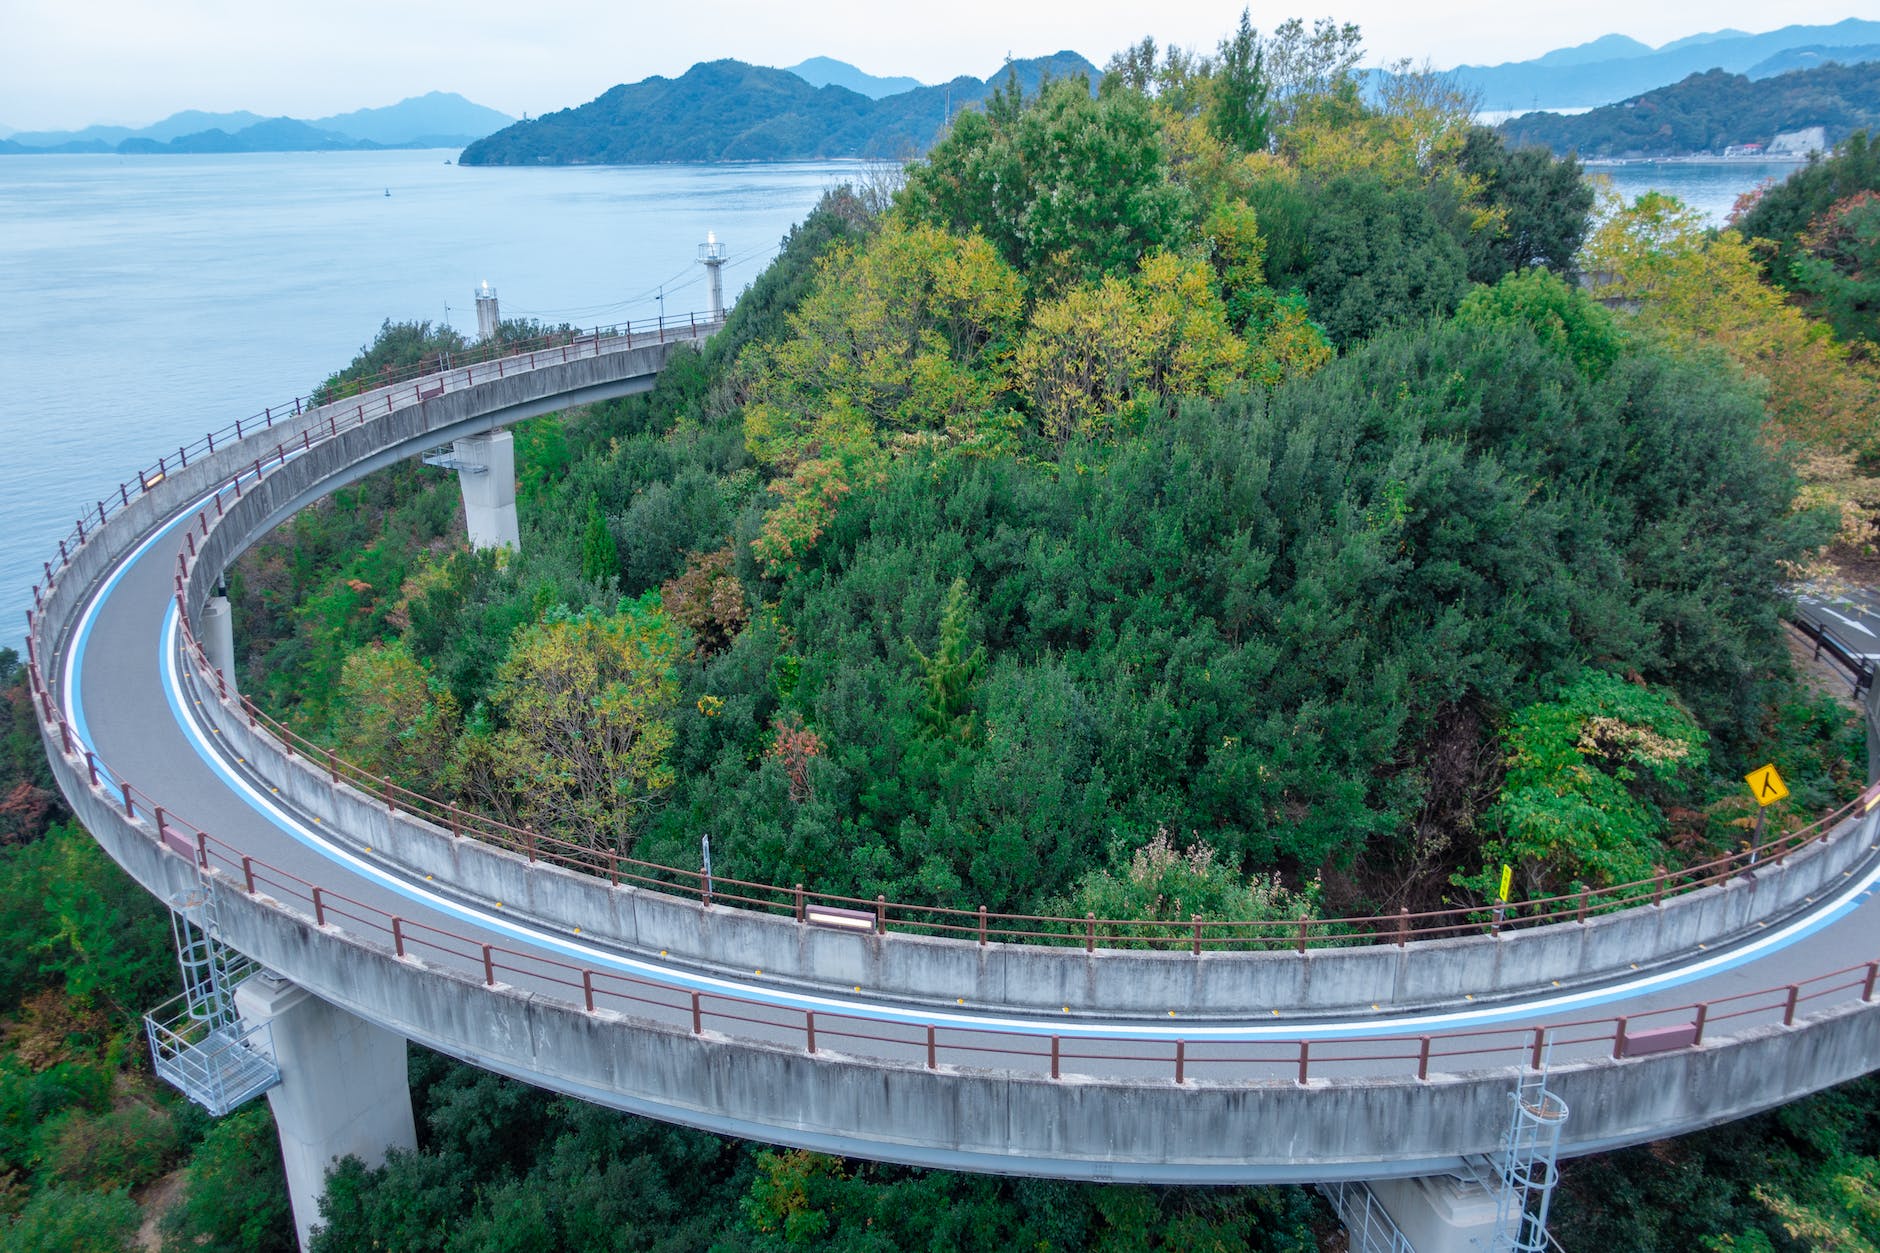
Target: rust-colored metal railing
1066 1053
978 924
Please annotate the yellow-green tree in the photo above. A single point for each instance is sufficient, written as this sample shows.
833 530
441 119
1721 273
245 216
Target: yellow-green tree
1705 290
1107 354
1572 808
583 706
1702 288
902 340
391 721
1066 187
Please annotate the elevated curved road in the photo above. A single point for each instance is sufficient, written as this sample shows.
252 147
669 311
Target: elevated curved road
1212 1067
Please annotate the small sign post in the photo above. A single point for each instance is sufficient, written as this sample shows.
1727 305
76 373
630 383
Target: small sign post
1501 898
1766 785
705 855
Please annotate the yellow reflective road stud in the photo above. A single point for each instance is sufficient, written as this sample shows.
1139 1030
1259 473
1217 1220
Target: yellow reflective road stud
1766 785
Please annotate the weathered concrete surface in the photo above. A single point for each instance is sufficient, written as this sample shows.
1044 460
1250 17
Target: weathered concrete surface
489 492
938 971
218 635
1201 1131
1439 1214
920 969
344 1091
961 1118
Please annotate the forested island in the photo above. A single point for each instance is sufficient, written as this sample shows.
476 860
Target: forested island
1710 112
1616 67
730 111
1212 493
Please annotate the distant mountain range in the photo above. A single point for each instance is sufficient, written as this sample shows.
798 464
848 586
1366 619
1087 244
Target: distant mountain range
827 71
730 111
436 120
1615 67
1712 112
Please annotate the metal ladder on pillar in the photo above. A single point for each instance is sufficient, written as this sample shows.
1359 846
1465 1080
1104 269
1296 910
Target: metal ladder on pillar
1525 1168
197 1041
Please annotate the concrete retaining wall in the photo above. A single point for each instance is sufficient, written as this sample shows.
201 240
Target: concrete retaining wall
939 971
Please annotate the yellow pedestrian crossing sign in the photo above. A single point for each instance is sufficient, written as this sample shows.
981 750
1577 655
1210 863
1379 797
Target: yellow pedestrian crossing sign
1766 785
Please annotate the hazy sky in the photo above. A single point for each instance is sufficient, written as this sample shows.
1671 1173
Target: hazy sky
63 65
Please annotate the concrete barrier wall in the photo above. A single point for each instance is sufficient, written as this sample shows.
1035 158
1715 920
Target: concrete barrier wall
956 1117
181 485
1152 1130
942 971
918 968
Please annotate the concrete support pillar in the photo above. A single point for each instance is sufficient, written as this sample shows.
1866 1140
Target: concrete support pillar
487 475
343 1088
218 636
1438 1213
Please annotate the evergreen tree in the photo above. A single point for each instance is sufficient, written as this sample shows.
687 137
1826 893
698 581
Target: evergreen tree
951 671
600 556
1238 114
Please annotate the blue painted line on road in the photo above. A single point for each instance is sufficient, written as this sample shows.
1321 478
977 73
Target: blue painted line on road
603 959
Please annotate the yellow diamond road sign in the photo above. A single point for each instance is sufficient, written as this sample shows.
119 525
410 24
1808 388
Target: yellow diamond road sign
1766 785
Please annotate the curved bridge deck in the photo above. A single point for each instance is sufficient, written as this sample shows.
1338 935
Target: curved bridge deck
1343 1062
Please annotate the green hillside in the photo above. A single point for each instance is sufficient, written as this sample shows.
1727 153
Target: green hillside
730 111
1707 113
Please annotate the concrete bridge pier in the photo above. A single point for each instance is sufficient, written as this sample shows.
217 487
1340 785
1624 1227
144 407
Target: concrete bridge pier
343 1091
486 471
218 635
1438 1213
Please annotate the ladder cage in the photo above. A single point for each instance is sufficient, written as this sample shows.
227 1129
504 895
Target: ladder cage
1528 1164
198 1043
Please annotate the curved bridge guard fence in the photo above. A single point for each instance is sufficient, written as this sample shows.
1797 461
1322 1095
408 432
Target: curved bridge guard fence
1168 1105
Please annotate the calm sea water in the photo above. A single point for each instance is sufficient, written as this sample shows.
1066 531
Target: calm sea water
1708 186
145 300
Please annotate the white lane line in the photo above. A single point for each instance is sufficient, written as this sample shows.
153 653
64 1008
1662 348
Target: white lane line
1849 621
75 708
1845 901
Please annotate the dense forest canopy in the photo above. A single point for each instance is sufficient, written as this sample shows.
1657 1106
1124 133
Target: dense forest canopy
1217 457
1207 493
1821 233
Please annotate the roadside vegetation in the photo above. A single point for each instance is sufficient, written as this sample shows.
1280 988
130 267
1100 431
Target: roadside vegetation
1211 493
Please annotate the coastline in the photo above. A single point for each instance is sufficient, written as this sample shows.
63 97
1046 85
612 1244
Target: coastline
1698 158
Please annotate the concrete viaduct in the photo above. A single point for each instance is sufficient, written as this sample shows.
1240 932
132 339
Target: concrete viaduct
932 1037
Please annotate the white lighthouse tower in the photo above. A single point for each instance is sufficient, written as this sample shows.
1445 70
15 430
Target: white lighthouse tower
488 316
711 255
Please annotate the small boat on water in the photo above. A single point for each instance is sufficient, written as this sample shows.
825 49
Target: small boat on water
388 191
